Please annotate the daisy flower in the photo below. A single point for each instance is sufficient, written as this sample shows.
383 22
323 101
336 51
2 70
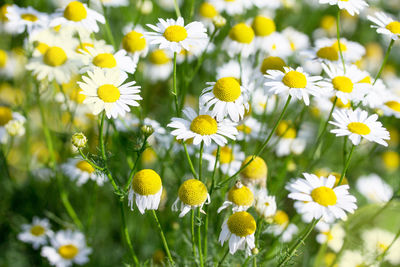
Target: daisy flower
25 18
265 205
191 194
240 40
255 172
288 140
231 7
239 229
327 49
207 13
230 159
105 90
320 199
386 25
134 42
298 40
36 233
332 235
357 124
377 242
346 85
351 6
225 97
240 197
263 27
78 15
67 248
250 128
352 258
390 105
81 171
294 82
159 66
8 118
281 227
277 45
175 36
147 188
374 188
202 127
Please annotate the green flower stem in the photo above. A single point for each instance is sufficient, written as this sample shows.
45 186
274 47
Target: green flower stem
338 39
384 61
192 232
174 89
201 160
223 258
299 242
109 34
199 238
177 11
260 224
189 160
139 154
163 238
261 149
126 233
346 165
94 165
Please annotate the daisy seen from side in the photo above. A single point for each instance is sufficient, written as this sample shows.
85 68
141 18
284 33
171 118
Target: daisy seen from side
192 194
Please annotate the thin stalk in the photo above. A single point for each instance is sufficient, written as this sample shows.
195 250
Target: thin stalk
201 160
126 233
139 154
199 238
189 160
223 258
338 39
192 232
94 165
109 34
260 224
174 89
163 238
177 11
384 61
346 165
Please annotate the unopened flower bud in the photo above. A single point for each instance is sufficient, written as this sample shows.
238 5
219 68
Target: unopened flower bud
147 130
254 251
79 140
146 7
219 21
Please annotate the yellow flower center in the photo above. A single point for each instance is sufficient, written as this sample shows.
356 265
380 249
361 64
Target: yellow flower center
241 196
358 128
207 10
226 156
367 79
29 17
5 115
382 247
244 128
68 251
192 192
328 53
343 84
241 224
159 57
175 33
327 22
149 156
342 46
42 47
281 217
84 166
54 56
285 131
295 79
84 47
257 169
134 42
391 159
105 60
77 96
324 196
3 58
204 125
146 182
108 93
394 27
393 105
242 33
227 89
37 230
263 26
340 104
272 63
75 11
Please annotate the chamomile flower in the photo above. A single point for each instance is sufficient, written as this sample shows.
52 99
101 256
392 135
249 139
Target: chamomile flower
294 82
332 235
240 40
391 105
386 25
67 248
248 129
29 19
352 258
327 49
78 15
105 90
239 229
282 227
175 36
7 118
263 27
208 12
240 197
147 188
255 172
231 7
159 66
374 188
377 242
289 140
81 171
36 233
277 45
298 40
265 205
134 42
230 159
320 199
191 194
202 127
356 124
225 97
351 6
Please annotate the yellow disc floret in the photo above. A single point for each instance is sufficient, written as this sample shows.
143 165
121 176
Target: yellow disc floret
394 105
37 230
3 58
343 47
192 192
241 195
391 159
241 224
204 125
324 196
242 33
358 128
68 251
175 33
108 93
257 169
54 56
263 26
159 57
84 166
227 89
146 182
328 53
207 10
75 11
394 27
226 156
134 42
105 60
29 17
295 79
41 47
281 218
5 115
272 63
284 130
343 84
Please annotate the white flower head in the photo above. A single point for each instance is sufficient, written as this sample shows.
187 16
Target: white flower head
377 242
11 124
25 18
374 188
332 235
351 6
191 194
240 40
81 171
230 159
240 197
386 25
36 233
